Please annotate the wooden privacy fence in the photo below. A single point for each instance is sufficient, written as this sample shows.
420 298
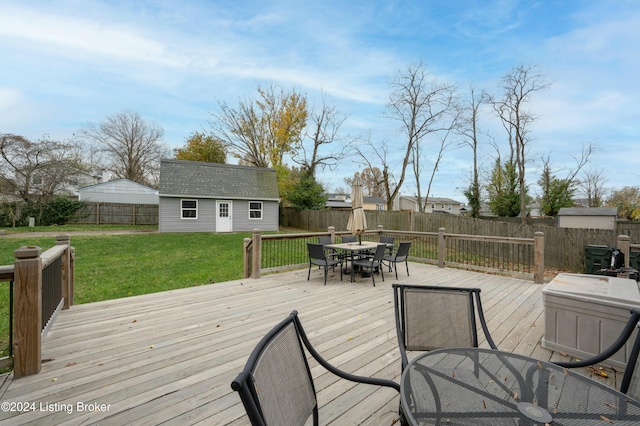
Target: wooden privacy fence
514 256
41 283
118 214
564 247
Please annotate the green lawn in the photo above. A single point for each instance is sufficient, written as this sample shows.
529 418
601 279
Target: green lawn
113 266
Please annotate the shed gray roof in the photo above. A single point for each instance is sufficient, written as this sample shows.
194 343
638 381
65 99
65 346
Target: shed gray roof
196 179
593 211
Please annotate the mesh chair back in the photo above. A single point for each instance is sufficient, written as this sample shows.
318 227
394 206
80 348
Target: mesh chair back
349 239
436 318
279 380
387 239
403 249
324 240
316 251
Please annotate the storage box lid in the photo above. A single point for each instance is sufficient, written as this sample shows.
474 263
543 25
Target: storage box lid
596 288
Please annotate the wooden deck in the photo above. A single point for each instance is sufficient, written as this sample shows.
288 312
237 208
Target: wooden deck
169 358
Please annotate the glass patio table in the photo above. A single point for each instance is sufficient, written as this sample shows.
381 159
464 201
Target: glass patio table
473 386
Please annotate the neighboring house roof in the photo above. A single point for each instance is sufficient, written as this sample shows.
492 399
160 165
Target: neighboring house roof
119 185
435 200
337 202
196 179
594 211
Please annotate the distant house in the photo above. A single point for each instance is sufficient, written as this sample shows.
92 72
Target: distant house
123 191
210 197
589 218
343 202
434 205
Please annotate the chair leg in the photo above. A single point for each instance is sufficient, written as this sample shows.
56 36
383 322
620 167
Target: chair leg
396 268
326 270
309 274
407 265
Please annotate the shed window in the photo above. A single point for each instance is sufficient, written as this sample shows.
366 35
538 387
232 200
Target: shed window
189 209
255 210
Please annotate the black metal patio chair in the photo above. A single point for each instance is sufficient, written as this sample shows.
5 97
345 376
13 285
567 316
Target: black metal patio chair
630 384
326 240
433 317
401 255
318 257
349 239
276 386
373 263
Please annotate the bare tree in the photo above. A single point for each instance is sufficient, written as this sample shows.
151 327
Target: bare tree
592 186
468 130
323 130
37 170
423 105
132 147
376 157
371 181
518 86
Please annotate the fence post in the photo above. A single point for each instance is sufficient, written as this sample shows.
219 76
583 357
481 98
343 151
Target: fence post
538 257
246 260
66 264
28 311
442 247
332 231
623 245
255 254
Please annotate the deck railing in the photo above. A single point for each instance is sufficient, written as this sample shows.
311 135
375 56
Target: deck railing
515 256
41 283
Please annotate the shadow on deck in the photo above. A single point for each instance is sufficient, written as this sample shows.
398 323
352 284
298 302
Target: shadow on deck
169 358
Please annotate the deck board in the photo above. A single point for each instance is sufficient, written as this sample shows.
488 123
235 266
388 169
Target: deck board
169 357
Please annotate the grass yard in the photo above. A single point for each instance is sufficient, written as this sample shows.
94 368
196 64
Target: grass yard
114 266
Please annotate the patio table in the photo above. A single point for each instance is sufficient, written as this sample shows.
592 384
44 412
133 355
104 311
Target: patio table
473 386
352 248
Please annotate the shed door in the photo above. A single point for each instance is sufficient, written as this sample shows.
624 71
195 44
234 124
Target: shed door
224 222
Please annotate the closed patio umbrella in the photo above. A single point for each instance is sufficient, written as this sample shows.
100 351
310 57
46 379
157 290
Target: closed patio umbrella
357 221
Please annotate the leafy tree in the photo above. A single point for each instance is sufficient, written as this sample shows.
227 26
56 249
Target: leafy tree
261 132
307 194
504 198
202 147
559 192
132 146
627 200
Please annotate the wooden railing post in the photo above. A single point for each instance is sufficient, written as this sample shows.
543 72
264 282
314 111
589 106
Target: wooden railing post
538 257
332 231
66 269
255 254
72 273
380 231
27 311
623 245
442 248
246 259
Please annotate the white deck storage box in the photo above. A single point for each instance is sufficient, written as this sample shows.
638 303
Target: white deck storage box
584 314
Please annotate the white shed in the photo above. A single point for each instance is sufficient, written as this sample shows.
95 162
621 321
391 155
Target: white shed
588 218
122 191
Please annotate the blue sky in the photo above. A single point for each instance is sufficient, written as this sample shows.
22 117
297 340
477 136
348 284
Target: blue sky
68 63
